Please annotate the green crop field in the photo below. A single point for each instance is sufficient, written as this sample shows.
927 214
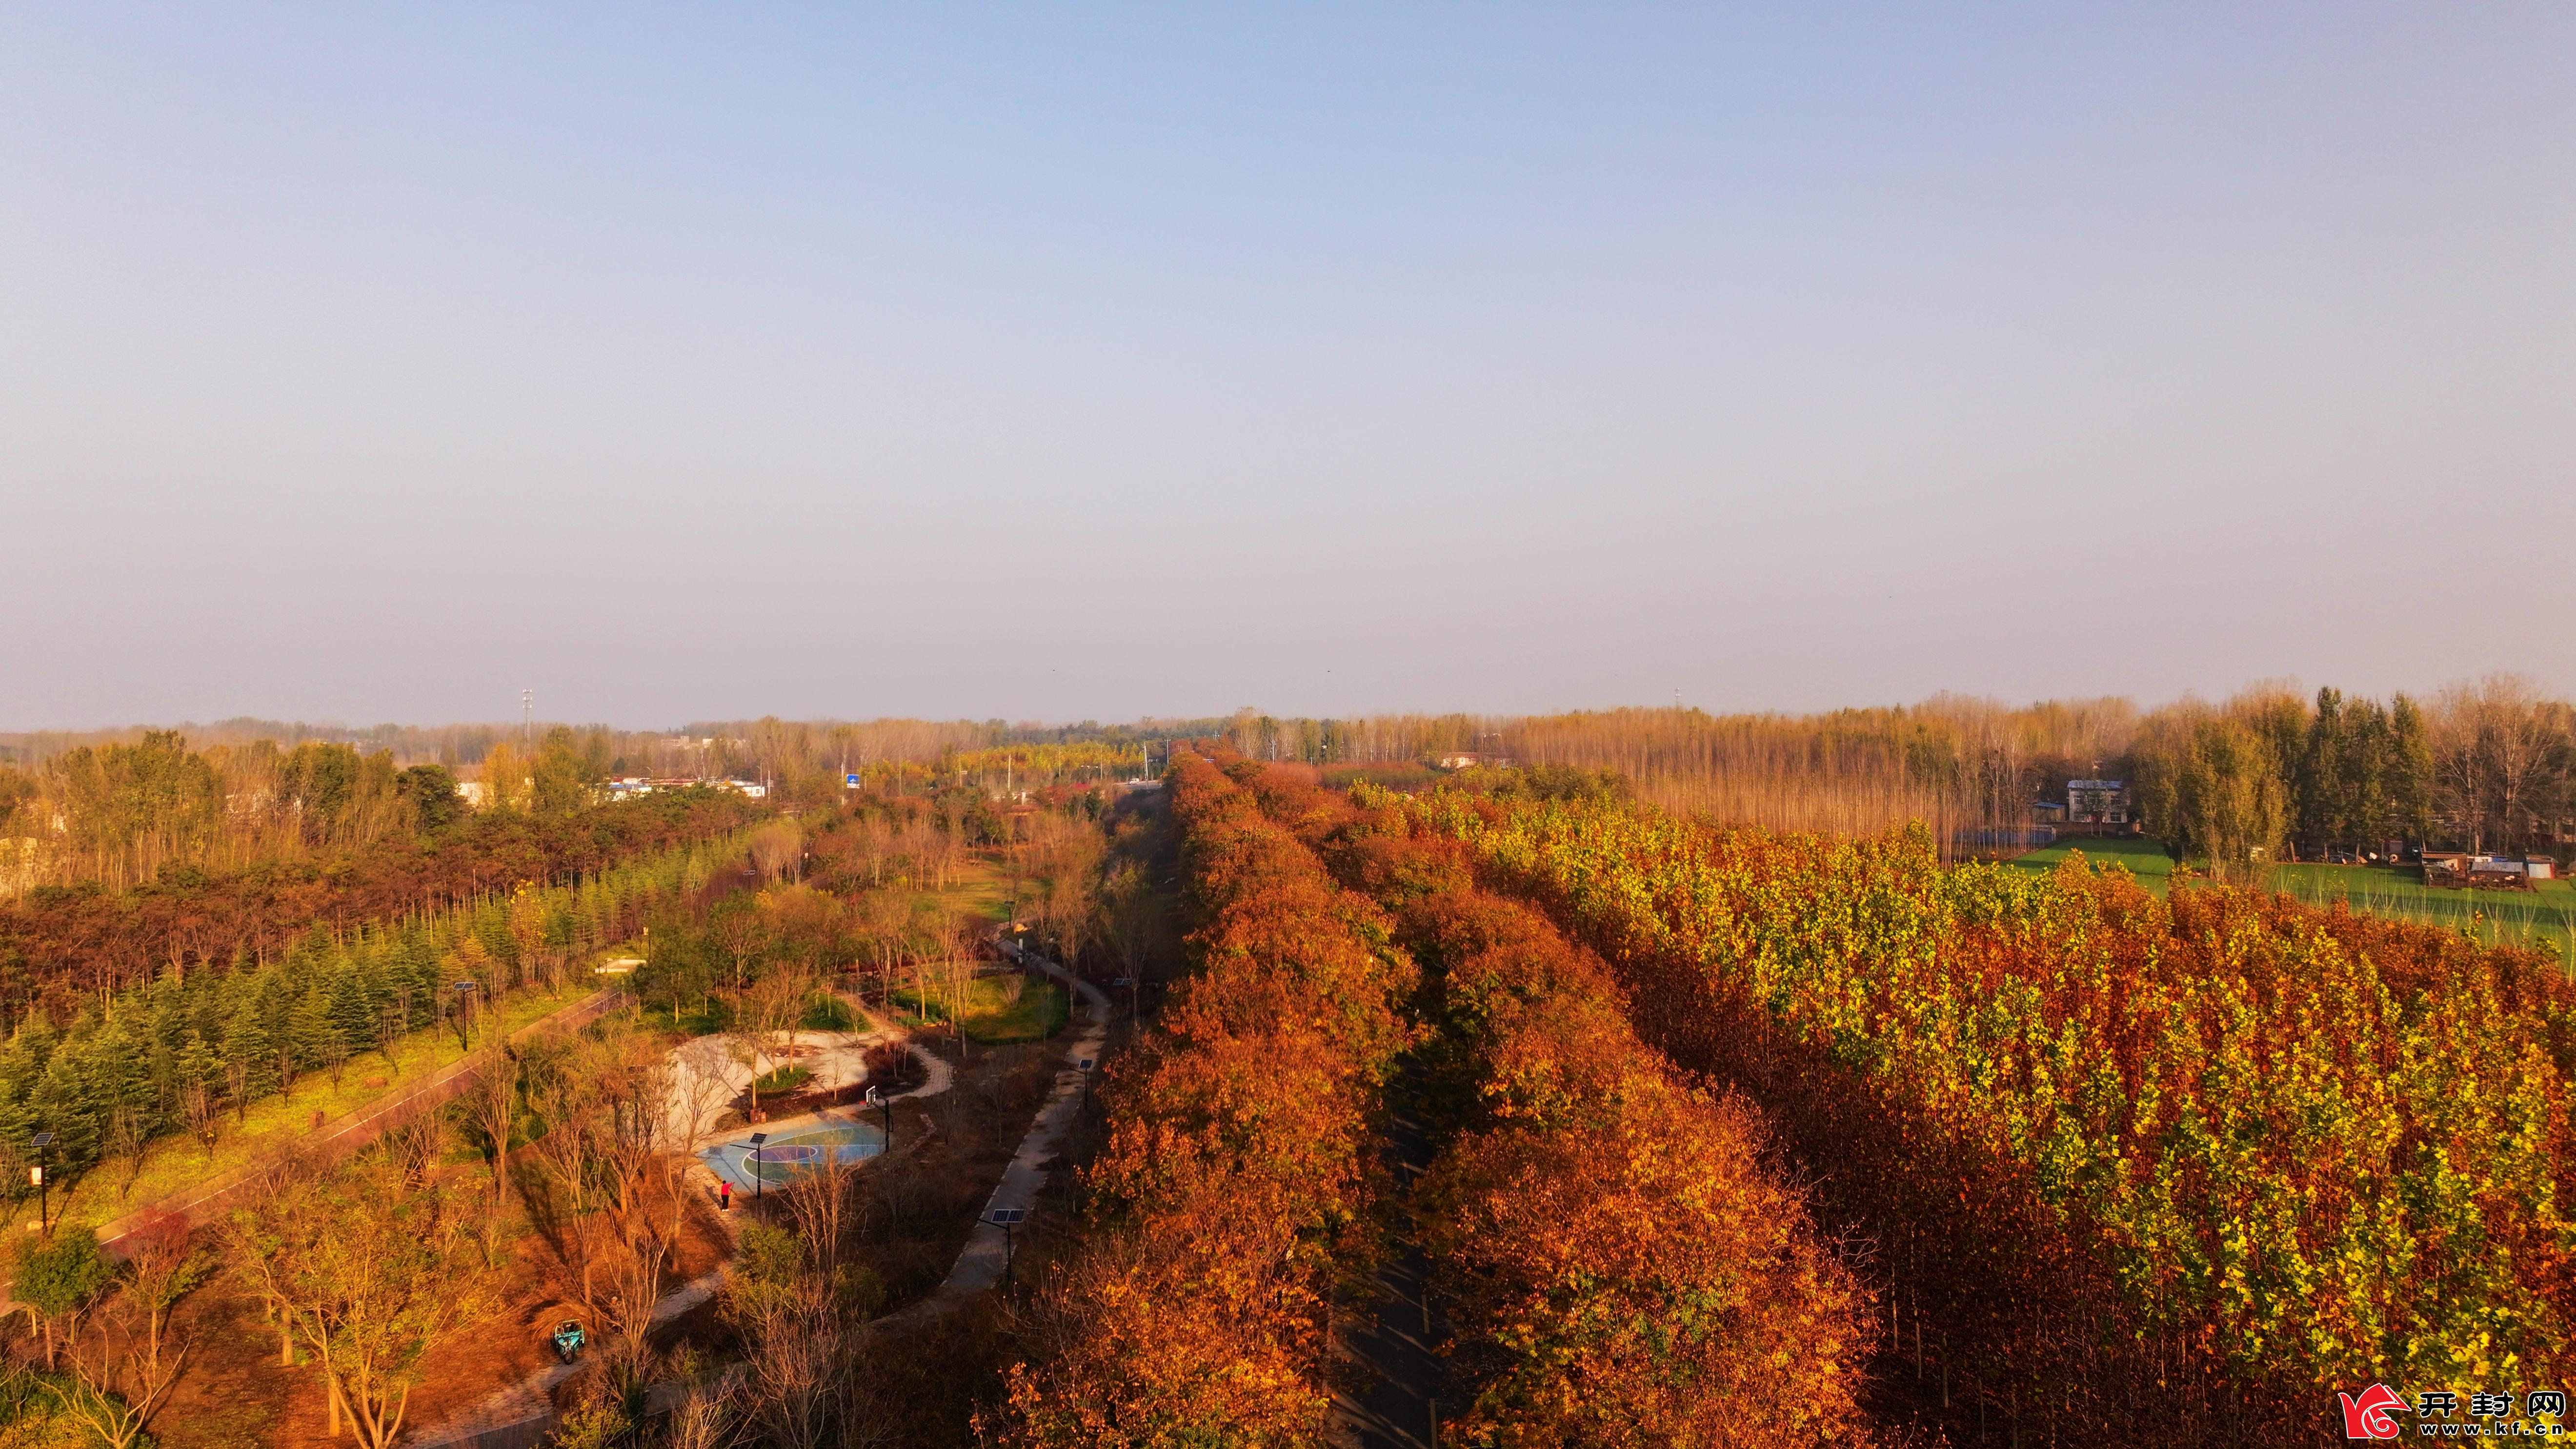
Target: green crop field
2543 919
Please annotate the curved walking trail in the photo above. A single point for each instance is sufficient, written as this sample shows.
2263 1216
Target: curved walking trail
987 1253
521 1414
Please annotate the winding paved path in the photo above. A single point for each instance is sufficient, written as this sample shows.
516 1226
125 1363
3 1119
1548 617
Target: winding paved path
987 1251
523 1413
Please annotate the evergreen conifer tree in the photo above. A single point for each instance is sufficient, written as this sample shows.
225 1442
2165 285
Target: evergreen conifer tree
23 1060
61 1105
2410 769
249 1057
312 1037
353 1007
197 1077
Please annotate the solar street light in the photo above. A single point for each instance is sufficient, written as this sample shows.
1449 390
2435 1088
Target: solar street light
752 1161
36 1179
1006 1219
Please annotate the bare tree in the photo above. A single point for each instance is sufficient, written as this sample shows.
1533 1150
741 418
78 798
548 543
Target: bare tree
873 838
1071 909
124 1377
1131 924
2515 735
258 1246
130 1138
492 1104
365 1269
884 919
116 1389
766 1016
2460 761
777 848
704 1420
562 1091
203 1112
700 1091
392 1020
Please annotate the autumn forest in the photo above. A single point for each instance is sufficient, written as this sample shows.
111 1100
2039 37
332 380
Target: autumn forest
1646 1077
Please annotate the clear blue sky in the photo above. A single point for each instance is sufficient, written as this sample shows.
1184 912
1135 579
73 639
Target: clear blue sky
368 363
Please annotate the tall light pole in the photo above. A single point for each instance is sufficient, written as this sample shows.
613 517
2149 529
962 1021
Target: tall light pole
1007 1219
40 1142
464 1006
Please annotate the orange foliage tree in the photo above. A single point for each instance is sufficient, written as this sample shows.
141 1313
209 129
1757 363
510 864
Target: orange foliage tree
2219 1152
1621 1266
1238 1183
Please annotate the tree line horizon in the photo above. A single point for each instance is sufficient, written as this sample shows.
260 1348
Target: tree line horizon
2489 764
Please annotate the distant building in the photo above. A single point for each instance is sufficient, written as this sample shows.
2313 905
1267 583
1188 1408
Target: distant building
473 792
1468 760
2456 869
632 787
2097 802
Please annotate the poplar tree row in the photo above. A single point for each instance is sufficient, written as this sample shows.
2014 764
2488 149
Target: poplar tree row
1240 1182
1620 1264
2116 1150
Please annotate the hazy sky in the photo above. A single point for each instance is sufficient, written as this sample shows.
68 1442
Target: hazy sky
366 364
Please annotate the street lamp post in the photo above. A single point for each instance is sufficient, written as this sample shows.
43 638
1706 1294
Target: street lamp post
464 1005
1007 1219
885 1106
41 1141
751 1163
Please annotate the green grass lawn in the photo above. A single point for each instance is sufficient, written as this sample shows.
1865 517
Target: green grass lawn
2146 859
979 887
827 1013
174 1163
991 1016
2543 919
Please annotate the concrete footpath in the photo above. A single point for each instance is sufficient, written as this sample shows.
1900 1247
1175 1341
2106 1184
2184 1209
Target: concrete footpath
988 1248
522 1414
